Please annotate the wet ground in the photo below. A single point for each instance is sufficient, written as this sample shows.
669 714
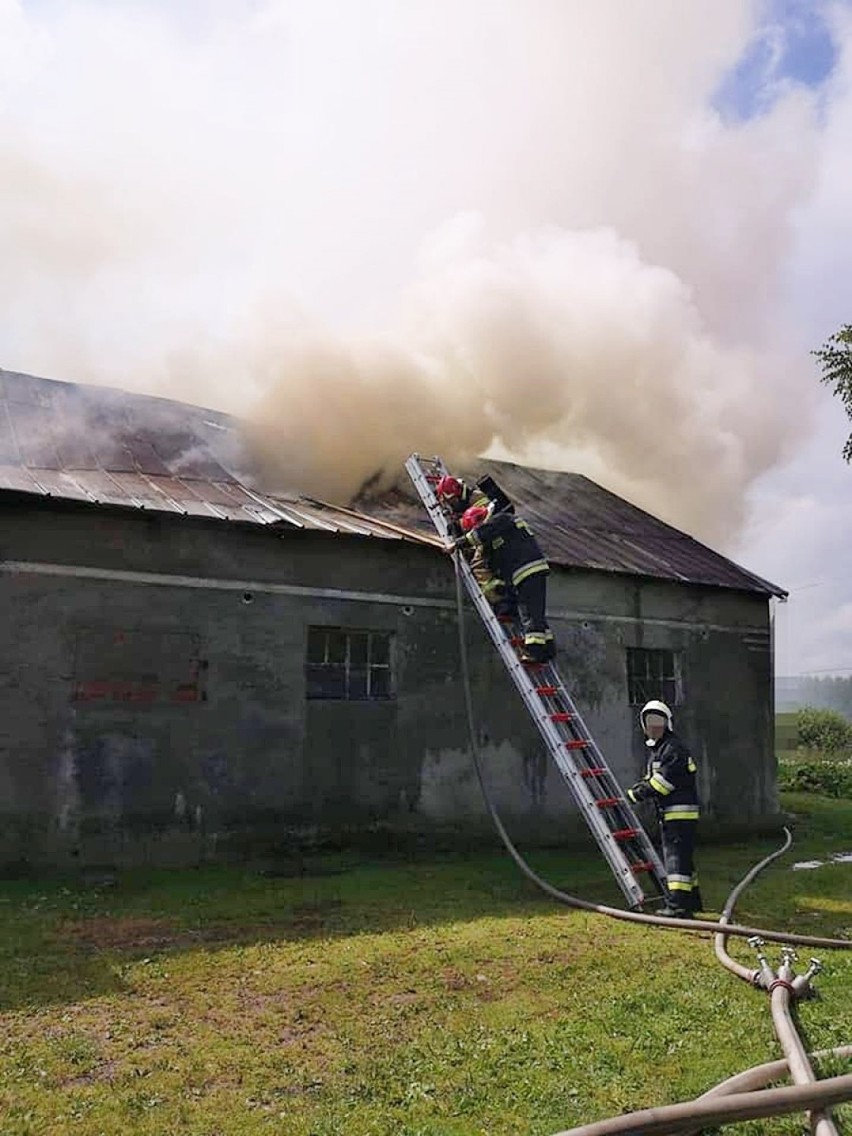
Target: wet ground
837 858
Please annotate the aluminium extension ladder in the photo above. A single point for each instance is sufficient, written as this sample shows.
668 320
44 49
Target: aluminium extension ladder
613 823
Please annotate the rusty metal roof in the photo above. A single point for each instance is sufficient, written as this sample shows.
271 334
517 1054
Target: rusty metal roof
110 447
582 525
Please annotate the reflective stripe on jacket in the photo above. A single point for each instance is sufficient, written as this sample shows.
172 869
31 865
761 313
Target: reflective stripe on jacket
670 780
512 551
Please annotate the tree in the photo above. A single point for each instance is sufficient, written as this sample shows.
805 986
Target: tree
835 358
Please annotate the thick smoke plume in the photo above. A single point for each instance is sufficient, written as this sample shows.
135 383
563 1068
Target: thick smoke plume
559 345
365 229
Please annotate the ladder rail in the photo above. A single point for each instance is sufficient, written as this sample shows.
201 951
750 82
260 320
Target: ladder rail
559 746
555 742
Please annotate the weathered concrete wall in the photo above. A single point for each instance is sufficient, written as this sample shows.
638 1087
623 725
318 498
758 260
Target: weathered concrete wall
723 642
153 702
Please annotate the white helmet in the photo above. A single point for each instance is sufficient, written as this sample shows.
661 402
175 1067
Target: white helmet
656 707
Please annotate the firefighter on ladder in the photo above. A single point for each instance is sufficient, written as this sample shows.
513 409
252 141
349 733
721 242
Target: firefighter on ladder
670 783
512 554
457 497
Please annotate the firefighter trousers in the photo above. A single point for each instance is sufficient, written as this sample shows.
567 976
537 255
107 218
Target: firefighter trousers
678 838
532 603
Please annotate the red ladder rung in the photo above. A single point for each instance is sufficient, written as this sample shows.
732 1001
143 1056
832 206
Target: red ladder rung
608 802
562 716
577 743
642 866
545 691
596 772
625 833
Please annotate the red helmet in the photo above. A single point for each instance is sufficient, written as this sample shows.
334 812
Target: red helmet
449 487
473 516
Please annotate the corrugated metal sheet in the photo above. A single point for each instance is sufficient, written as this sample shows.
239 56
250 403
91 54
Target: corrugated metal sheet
581 525
112 447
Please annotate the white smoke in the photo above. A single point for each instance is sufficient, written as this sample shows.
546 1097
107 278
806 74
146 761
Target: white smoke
557 343
449 227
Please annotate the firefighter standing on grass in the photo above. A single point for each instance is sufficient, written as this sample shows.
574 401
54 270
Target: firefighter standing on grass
670 783
513 554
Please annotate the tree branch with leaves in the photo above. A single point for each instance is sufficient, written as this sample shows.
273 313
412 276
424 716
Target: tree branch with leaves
835 359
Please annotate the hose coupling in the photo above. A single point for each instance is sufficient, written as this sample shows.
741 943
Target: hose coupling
802 985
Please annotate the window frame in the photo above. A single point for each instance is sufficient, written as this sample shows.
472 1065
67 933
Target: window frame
664 682
356 664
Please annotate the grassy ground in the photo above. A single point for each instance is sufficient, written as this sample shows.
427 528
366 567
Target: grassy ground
441 998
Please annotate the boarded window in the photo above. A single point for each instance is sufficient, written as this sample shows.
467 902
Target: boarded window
352 665
652 674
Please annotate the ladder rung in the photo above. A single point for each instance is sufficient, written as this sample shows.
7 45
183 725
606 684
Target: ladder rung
642 866
619 834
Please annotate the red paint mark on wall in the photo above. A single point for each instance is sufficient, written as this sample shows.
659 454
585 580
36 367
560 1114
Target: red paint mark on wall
138 668
116 690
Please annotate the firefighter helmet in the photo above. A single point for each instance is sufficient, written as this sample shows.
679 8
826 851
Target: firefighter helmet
449 488
656 707
473 516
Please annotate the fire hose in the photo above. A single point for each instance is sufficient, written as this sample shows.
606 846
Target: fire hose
726 1102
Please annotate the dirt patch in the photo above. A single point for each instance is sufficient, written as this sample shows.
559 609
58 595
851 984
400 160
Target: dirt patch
125 933
130 933
453 979
105 1073
137 934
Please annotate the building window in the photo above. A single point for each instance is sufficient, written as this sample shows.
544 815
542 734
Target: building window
350 665
652 674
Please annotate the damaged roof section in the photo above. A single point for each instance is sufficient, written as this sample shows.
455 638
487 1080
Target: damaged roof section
110 447
582 525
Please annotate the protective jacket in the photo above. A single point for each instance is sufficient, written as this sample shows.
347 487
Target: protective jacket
510 548
669 780
486 492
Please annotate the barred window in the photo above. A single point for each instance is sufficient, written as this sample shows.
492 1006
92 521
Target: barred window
354 666
653 674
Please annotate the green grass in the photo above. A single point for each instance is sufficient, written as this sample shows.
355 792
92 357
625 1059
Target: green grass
433 998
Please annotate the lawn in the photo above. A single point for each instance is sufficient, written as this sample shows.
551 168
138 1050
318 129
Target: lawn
436 997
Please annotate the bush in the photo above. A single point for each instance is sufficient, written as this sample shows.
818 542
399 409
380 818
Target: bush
823 729
829 779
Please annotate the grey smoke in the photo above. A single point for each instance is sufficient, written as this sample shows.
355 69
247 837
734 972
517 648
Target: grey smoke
517 228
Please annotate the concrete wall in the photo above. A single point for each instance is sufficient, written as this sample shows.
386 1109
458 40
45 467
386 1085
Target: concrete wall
153 702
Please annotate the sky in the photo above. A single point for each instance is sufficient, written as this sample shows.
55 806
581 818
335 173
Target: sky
584 234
